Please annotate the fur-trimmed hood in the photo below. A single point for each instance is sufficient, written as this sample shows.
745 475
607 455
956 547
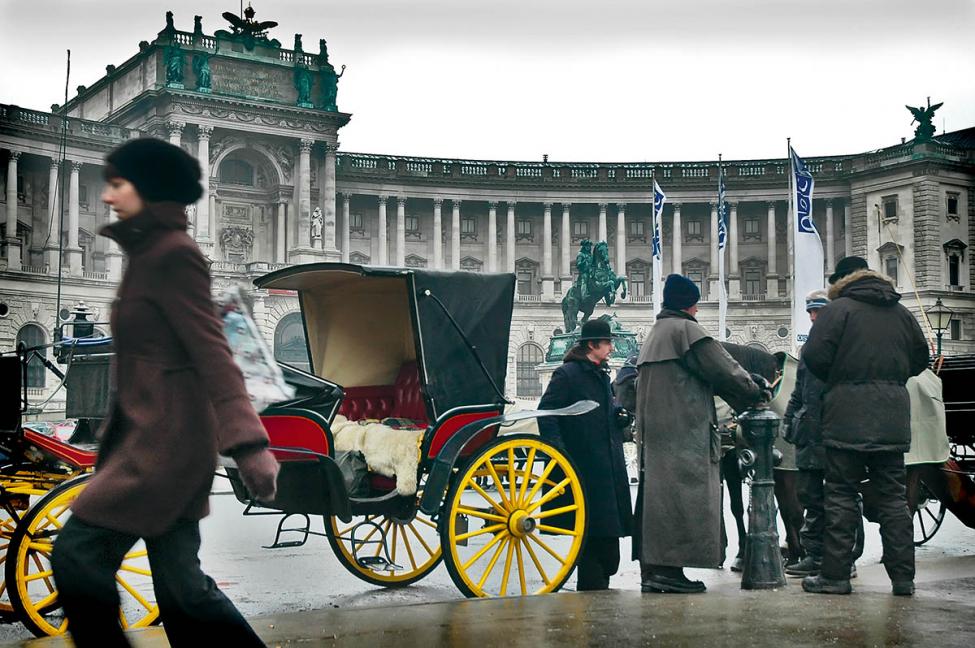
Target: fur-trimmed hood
866 286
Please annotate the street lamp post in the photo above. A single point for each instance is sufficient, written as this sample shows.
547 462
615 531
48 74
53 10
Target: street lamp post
940 317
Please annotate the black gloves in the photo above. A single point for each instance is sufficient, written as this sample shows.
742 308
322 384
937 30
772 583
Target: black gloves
763 385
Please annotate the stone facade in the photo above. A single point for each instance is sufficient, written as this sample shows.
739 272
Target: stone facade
272 166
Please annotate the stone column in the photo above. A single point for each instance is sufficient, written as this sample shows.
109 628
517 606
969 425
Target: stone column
830 238
548 279
54 205
281 229
492 260
790 245
771 278
212 225
304 195
113 255
677 242
175 129
203 233
13 243
383 246
847 233
400 231
621 239
455 235
438 233
602 223
73 250
565 267
734 278
327 200
510 242
346 227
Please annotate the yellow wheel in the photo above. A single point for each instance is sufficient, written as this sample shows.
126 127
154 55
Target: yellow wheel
30 581
9 517
525 535
412 545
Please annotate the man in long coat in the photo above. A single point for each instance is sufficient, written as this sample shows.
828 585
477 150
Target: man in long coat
594 442
679 506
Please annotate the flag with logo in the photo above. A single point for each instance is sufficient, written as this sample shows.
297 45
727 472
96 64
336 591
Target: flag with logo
807 248
659 198
722 241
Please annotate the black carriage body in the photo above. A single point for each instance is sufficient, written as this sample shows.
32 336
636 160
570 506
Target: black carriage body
385 316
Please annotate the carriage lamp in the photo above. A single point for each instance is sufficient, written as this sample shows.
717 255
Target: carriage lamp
81 326
940 317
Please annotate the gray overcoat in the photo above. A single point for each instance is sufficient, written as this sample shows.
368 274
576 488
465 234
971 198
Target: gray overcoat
679 504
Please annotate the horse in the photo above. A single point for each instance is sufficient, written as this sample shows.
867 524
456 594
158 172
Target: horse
771 367
601 284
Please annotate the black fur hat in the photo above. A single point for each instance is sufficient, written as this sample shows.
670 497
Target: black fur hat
680 292
159 170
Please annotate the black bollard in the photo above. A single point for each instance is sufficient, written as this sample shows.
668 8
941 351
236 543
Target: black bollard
762 567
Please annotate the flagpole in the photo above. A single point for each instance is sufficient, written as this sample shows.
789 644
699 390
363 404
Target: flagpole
791 256
722 293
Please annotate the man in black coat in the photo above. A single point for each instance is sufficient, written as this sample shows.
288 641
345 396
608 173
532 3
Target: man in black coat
802 425
594 442
864 346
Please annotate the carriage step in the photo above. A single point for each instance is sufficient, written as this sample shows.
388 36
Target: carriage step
378 564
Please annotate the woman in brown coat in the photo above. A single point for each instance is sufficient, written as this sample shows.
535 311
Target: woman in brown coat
178 400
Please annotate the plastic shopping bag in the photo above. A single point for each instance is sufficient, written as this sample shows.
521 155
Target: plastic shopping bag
262 375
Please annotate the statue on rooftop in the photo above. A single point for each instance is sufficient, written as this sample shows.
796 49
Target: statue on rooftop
174 65
923 116
201 67
322 52
330 87
198 25
247 30
303 84
169 22
298 49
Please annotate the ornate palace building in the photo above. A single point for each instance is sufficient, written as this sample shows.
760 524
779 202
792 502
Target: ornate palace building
263 122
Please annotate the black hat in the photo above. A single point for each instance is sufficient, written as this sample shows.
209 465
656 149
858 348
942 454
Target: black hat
680 292
159 170
596 329
848 265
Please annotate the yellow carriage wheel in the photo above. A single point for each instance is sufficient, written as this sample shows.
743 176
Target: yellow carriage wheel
412 543
30 581
8 524
524 535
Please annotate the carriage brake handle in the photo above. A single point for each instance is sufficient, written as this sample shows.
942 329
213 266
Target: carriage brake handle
473 349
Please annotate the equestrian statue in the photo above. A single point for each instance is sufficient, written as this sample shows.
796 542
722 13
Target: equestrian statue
595 281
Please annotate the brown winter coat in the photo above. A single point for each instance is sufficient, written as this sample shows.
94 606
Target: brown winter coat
679 504
178 397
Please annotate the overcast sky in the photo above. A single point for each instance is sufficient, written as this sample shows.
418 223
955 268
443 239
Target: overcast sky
597 80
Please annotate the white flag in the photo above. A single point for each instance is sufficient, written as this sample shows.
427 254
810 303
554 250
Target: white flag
659 198
807 248
721 242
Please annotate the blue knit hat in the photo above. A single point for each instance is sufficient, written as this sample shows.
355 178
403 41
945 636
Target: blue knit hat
680 292
816 300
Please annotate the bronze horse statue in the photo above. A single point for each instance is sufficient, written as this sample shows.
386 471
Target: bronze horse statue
598 283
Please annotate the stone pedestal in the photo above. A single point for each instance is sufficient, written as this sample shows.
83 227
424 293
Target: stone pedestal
772 286
305 254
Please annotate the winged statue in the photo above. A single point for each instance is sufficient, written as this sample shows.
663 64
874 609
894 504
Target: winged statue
247 24
924 116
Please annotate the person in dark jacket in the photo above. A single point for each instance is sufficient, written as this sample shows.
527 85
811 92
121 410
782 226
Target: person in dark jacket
594 442
864 346
178 399
802 422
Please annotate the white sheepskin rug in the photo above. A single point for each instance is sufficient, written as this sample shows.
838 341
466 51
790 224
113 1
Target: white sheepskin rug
389 452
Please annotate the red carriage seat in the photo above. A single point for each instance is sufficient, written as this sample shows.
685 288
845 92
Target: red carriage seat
402 399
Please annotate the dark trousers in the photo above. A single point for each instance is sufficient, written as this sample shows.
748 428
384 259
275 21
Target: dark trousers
811 491
845 469
193 610
598 560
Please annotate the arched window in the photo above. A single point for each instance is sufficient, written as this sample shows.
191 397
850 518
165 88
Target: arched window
32 335
289 342
237 172
529 355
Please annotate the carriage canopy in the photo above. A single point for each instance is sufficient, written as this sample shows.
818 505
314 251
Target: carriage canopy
363 324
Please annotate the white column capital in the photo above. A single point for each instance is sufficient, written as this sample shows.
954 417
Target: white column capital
401 201
548 206
621 207
512 204
305 144
492 204
55 164
76 166
204 132
829 203
603 206
382 198
347 196
175 128
438 202
331 147
676 206
15 155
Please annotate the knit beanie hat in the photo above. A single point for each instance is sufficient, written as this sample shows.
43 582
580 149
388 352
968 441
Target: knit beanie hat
816 300
680 292
159 170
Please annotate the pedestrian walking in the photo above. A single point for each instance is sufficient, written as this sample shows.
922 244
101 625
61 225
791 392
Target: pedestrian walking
864 346
594 442
802 423
681 368
178 399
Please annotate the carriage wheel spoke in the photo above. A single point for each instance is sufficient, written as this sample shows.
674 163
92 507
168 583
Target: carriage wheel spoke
538 483
41 547
47 600
342 532
499 484
392 556
521 567
134 593
924 531
40 567
63 626
512 476
385 533
483 550
557 530
552 494
481 514
422 541
409 549
526 475
547 548
557 511
122 618
488 529
426 522
492 563
136 570
507 567
537 562
37 576
480 491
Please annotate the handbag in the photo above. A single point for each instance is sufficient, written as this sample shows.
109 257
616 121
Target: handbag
262 376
